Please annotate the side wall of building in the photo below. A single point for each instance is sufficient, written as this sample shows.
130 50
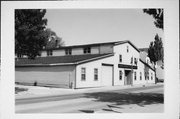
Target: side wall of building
56 76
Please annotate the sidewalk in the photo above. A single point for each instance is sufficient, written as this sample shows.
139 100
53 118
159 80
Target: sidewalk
34 91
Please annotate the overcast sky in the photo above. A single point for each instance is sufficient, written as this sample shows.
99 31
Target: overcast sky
84 26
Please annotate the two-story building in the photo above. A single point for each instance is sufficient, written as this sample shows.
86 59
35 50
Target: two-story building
82 66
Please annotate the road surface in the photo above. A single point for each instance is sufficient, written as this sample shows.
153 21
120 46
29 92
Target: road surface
141 99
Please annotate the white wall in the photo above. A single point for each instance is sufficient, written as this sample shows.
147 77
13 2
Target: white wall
58 76
106 49
126 56
119 49
90 72
59 52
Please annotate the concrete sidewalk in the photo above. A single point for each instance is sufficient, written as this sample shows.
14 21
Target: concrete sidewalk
34 91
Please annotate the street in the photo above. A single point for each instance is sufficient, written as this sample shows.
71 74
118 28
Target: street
141 99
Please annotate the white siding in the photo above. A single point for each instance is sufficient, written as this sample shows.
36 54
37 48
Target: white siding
106 49
77 51
90 82
58 76
126 56
95 50
59 52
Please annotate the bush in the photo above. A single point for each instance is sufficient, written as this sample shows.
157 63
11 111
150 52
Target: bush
17 90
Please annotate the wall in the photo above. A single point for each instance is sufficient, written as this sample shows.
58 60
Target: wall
90 82
108 48
119 49
58 76
59 52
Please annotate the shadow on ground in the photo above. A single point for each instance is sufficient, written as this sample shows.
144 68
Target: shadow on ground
140 99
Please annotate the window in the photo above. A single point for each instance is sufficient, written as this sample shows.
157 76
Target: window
131 60
140 75
135 61
49 52
134 75
120 75
87 50
83 74
127 48
95 74
147 75
120 58
151 76
68 51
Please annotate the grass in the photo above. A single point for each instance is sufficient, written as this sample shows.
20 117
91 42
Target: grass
17 90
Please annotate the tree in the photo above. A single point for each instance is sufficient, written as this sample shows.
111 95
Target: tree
53 41
29 32
156 51
157 15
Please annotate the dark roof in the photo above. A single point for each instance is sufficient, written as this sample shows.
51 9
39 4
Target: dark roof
147 64
143 49
60 60
97 44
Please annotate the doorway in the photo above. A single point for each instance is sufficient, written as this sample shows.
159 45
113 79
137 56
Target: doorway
128 77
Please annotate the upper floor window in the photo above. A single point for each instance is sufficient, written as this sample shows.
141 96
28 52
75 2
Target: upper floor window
87 50
127 48
83 74
68 51
135 61
140 75
49 52
120 75
151 76
95 74
134 75
147 75
120 58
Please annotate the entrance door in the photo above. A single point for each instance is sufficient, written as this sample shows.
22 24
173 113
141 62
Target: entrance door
107 75
127 78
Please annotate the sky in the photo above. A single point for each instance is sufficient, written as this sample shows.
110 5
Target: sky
85 26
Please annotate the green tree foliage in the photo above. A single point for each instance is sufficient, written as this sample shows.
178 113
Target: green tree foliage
29 32
53 41
157 15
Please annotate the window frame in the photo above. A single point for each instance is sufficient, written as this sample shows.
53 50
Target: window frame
83 74
151 76
95 74
49 52
68 51
127 48
87 50
140 76
135 77
120 58
120 74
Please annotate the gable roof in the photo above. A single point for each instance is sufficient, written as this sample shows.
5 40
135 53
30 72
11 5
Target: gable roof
96 44
60 60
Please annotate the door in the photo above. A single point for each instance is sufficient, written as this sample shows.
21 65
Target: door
107 75
127 78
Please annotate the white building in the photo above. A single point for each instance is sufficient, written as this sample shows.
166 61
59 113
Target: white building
82 66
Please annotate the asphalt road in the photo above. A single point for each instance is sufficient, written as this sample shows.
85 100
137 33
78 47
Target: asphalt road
91 102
